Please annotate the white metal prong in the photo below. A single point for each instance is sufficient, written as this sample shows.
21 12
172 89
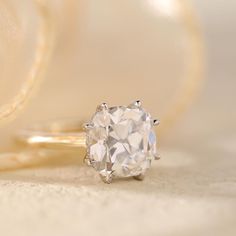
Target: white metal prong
102 107
139 177
155 122
88 126
157 157
87 160
137 103
106 177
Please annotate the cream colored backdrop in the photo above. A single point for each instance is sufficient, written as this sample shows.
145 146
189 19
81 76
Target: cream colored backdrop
118 51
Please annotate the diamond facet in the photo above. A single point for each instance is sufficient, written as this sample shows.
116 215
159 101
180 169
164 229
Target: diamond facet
122 141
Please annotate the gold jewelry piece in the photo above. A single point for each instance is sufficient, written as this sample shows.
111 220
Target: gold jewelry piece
55 135
120 140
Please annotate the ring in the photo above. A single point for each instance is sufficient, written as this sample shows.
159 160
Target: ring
120 140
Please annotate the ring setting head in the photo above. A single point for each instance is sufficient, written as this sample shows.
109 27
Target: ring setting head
121 141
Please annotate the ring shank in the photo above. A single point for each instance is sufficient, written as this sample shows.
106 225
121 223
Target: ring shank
54 135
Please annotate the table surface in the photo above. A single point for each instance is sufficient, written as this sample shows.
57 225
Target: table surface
184 193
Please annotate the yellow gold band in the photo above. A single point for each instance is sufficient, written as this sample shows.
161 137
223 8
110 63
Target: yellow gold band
55 135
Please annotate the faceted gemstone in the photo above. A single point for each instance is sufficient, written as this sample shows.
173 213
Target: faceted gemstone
121 141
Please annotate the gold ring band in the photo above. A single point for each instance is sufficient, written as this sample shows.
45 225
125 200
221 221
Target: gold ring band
54 135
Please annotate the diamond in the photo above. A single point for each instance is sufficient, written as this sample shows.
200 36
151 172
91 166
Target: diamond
121 141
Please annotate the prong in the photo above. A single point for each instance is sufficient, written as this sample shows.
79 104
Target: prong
155 122
88 126
87 160
102 107
139 177
137 103
106 176
157 157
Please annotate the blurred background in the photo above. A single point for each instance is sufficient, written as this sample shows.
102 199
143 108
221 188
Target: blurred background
63 58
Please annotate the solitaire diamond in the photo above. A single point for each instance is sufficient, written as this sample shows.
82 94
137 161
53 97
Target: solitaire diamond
121 141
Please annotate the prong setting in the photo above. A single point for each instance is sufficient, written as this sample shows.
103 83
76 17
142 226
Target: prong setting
108 131
102 107
106 176
155 122
137 103
157 157
87 126
87 160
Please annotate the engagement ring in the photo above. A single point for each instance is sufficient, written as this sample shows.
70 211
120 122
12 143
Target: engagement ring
120 140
